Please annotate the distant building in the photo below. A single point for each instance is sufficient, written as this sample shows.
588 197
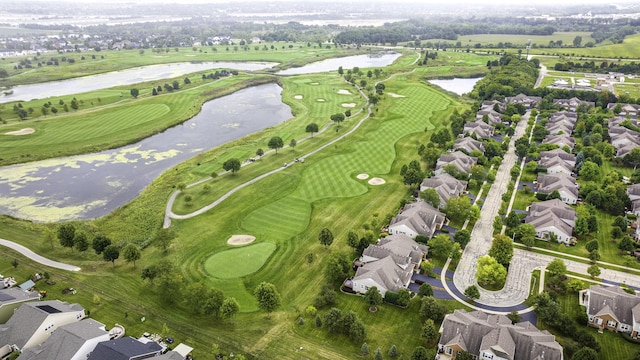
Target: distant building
611 308
445 185
459 160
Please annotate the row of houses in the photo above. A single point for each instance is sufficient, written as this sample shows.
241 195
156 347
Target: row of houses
622 138
44 330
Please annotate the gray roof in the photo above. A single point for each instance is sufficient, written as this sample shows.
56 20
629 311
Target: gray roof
124 349
29 317
559 127
547 163
548 219
461 161
563 115
468 144
14 295
560 140
558 153
403 245
547 183
477 331
445 185
384 272
419 216
66 341
625 107
492 116
169 355
556 206
573 102
633 190
481 129
524 99
620 303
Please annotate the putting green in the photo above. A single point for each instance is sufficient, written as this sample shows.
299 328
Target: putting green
235 263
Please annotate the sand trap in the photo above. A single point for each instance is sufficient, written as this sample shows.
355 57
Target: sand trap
159 56
190 55
25 131
320 100
344 92
348 105
298 97
363 176
395 95
238 240
314 83
376 181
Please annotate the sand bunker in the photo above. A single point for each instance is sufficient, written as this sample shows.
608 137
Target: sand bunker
395 95
315 83
298 97
344 92
348 105
320 100
190 55
363 176
238 240
376 181
25 131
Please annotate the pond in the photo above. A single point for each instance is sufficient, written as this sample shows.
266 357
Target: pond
121 78
457 85
348 62
93 185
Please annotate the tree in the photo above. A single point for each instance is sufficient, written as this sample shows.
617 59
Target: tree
514 317
364 349
557 268
337 118
457 209
593 271
462 237
441 137
472 292
213 302
592 246
393 351
512 220
431 196
311 128
372 297
378 355
440 247
502 249
425 290
275 143
430 308
131 253
463 355
412 176
582 227
66 235
229 308
577 41
626 244
260 152
163 239
154 92
325 237
337 268
429 331
420 353
477 173
111 253
232 165
134 92
620 222
594 256
585 353
589 171
497 224
99 243
489 272
293 143
267 296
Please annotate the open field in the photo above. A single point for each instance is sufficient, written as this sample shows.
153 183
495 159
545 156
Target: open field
543 40
629 49
288 210
114 60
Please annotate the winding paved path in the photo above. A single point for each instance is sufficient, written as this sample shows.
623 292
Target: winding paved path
37 258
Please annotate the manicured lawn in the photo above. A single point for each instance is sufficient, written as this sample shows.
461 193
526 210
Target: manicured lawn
235 263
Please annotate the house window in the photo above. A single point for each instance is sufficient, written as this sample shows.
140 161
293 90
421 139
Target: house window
448 351
599 321
611 323
366 288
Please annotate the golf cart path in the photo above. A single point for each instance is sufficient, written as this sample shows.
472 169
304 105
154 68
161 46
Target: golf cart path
37 258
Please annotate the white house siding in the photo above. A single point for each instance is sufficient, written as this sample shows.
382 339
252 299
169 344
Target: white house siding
568 198
51 323
562 237
362 285
402 230
89 346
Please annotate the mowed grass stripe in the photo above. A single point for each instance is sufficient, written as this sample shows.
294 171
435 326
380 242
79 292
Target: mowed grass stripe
235 263
331 177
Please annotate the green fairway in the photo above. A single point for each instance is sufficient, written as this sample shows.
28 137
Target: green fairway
235 263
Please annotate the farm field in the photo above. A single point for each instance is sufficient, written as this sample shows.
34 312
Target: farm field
485 39
627 50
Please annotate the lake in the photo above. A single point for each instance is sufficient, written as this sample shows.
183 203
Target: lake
348 62
121 78
93 185
457 85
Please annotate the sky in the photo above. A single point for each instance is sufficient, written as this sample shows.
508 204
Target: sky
471 2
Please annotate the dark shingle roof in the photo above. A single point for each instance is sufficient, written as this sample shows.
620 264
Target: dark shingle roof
123 349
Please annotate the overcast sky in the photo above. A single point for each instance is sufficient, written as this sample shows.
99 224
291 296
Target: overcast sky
473 2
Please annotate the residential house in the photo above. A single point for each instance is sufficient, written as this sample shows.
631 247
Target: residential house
556 161
417 218
468 145
445 185
490 104
558 128
407 253
72 341
623 140
126 348
619 120
564 116
384 274
563 183
11 299
612 308
34 322
552 217
527 101
480 129
561 140
459 160
493 117
634 195
572 104
626 109
487 336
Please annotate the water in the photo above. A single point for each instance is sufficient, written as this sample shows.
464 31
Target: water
348 62
121 78
457 85
92 185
